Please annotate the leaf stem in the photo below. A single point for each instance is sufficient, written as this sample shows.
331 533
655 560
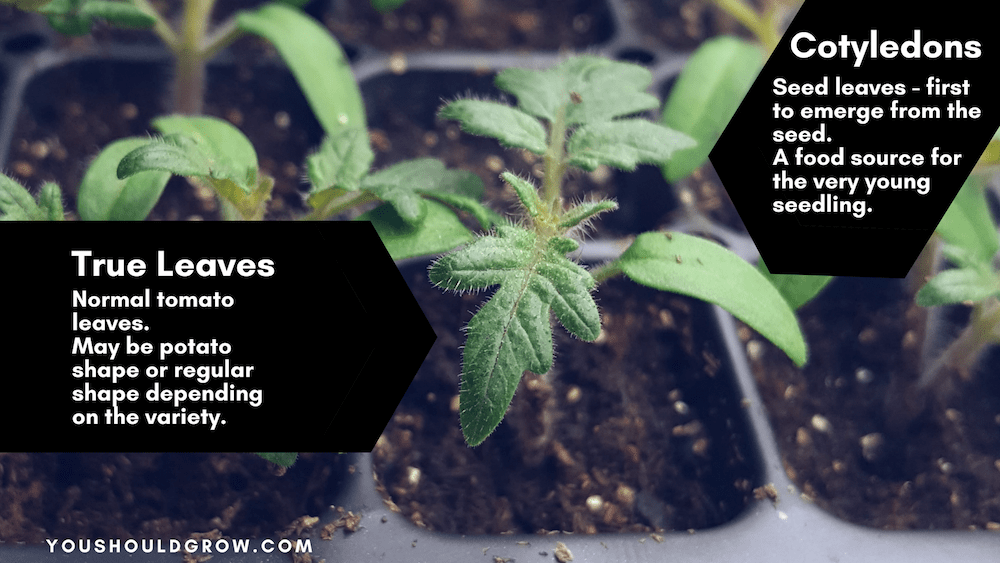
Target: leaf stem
555 163
189 94
606 271
764 27
161 27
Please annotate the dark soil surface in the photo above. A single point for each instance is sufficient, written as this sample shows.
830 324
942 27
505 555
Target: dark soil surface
162 495
857 437
473 24
640 431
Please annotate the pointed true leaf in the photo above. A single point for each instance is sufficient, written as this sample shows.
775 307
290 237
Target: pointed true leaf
583 211
511 126
177 154
702 269
974 280
316 60
511 333
102 197
50 202
483 215
404 184
229 154
968 222
592 89
708 91
526 192
624 144
16 203
440 231
341 161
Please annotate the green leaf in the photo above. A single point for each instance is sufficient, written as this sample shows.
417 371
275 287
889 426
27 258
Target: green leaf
211 150
119 14
340 162
64 16
282 459
526 192
511 126
483 215
103 197
403 185
16 202
50 202
796 289
706 95
968 222
385 6
974 280
177 154
512 333
624 144
583 211
315 59
592 89
229 154
440 231
702 269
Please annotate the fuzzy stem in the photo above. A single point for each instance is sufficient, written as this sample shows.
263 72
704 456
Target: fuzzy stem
983 330
220 38
555 163
606 271
189 93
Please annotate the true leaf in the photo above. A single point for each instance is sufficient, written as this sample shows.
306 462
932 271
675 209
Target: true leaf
103 197
511 126
50 202
624 144
229 153
340 163
526 192
440 231
316 60
968 222
511 333
591 88
483 215
211 150
702 269
16 203
404 184
974 280
705 97
583 211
